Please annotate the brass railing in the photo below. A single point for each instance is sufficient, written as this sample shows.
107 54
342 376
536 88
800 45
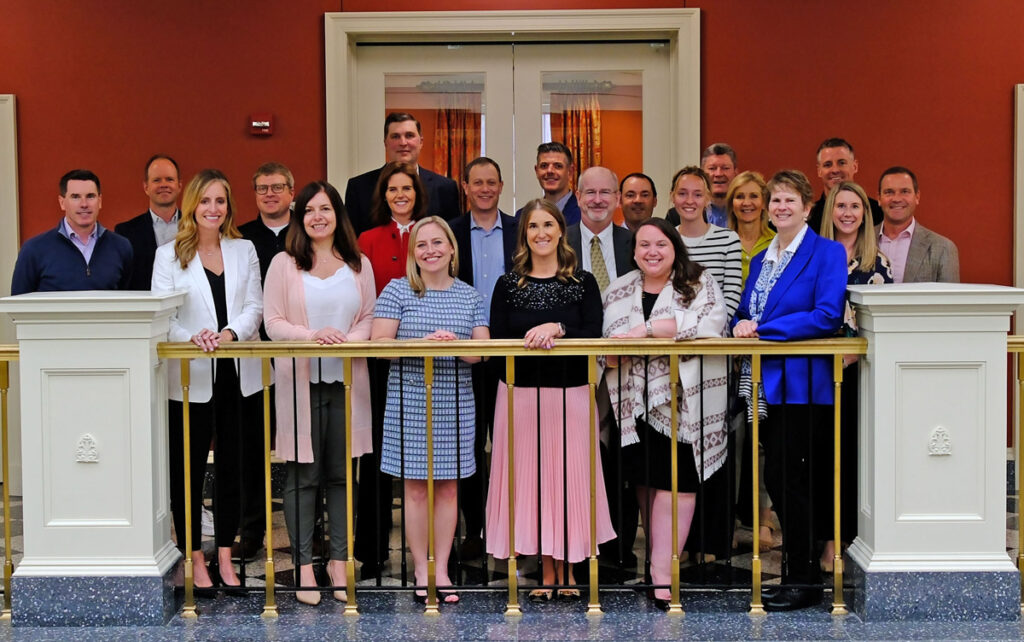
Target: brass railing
591 348
8 353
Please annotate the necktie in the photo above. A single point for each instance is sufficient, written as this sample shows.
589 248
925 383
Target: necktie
597 265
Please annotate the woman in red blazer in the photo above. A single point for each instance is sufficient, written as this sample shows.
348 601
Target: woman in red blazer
399 200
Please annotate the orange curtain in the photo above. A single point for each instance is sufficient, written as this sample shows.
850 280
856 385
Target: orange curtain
457 135
581 128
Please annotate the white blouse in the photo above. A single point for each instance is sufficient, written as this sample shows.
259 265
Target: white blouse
331 302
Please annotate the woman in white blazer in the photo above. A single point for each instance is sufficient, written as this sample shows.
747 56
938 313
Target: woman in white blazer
220 273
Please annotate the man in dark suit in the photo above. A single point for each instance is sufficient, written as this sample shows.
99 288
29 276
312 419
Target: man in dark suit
274 188
403 140
487 240
917 254
554 170
594 236
159 224
836 163
603 250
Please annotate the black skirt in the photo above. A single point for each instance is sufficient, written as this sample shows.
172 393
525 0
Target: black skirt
649 461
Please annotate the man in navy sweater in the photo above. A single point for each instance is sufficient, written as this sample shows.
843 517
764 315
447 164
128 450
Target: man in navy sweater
79 254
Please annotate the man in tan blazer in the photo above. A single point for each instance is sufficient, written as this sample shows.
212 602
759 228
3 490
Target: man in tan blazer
917 254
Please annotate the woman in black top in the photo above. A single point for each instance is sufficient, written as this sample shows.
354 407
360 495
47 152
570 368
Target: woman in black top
544 298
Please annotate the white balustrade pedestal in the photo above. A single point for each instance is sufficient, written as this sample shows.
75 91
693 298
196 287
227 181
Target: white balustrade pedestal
931 539
97 547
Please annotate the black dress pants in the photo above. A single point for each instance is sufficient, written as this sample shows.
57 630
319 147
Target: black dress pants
221 421
797 473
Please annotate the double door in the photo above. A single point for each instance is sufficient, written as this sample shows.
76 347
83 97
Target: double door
612 101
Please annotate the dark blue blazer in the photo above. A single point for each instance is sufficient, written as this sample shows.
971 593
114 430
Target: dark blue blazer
807 302
571 211
460 229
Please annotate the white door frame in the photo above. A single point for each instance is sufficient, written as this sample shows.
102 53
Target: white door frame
9 244
343 31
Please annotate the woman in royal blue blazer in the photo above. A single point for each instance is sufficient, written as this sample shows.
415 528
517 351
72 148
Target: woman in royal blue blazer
796 290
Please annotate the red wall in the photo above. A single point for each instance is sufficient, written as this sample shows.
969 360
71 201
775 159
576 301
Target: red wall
924 83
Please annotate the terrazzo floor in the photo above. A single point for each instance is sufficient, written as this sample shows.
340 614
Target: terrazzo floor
389 614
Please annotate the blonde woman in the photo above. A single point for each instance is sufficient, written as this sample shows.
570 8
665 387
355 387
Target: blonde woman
746 205
430 303
847 220
220 274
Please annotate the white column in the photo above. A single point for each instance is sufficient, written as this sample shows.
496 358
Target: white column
97 546
932 480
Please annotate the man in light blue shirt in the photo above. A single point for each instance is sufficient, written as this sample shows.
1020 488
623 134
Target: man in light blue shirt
486 239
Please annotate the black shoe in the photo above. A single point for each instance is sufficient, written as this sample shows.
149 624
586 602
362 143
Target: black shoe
768 592
234 591
791 599
472 548
247 550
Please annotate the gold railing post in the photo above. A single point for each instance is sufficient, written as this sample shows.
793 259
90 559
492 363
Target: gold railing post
756 605
270 607
5 384
594 604
351 607
838 606
189 610
428 379
1020 471
512 608
675 607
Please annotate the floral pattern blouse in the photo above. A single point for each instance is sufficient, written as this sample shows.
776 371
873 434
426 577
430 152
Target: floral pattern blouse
880 273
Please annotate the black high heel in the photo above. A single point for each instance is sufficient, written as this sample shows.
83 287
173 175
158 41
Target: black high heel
218 582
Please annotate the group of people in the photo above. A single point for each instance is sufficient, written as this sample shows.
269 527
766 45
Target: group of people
400 260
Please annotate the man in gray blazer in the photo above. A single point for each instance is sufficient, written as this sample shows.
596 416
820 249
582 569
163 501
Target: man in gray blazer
595 235
917 254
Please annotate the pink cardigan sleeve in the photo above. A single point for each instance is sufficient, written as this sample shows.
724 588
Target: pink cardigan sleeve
360 330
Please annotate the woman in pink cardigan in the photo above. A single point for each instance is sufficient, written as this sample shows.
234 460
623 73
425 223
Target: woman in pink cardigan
319 289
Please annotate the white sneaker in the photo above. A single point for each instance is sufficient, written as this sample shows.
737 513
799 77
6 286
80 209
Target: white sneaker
208 522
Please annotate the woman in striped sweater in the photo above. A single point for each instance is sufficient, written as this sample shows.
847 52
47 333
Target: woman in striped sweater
716 248
719 250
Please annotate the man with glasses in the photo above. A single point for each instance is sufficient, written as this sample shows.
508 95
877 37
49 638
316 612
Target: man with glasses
603 249
274 187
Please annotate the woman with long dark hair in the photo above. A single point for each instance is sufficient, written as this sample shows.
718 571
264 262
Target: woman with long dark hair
669 296
319 289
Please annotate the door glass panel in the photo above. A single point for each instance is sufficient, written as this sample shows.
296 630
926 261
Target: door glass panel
450 108
596 114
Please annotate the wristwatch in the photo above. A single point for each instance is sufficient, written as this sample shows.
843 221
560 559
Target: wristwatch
650 329
234 335
561 329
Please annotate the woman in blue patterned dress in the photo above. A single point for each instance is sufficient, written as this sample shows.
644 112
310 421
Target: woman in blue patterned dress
430 303
845 221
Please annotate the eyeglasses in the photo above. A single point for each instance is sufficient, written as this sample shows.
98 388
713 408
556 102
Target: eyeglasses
277 188
605 193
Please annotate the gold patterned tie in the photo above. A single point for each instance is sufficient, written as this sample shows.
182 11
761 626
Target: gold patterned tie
597 265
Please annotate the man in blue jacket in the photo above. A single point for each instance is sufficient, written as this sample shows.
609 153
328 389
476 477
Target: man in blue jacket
79 254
